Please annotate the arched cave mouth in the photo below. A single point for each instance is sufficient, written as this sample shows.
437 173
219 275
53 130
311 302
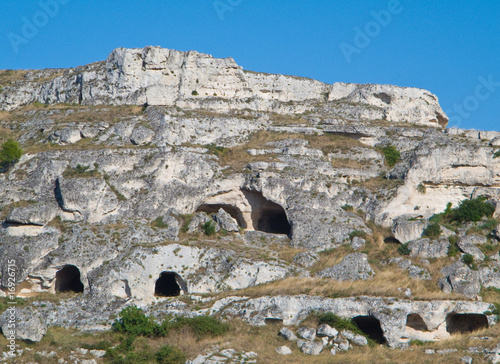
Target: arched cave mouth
465 322
416 322
230 209
170 284
267 216
68 279
371 327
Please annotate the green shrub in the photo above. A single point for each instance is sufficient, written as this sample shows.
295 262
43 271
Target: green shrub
101 345
403 249
357 233
194 93
497 154
421 188
202 326
432 231
170 355
209 227
472 210
10 153
216 149
159 223
490 225
391 155
340 324
347 207
453 249
468 259
134 322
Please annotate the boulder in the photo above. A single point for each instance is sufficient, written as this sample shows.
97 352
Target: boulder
353 267
462 279
357 243
29 323
306 259
307 333
225 221
495 142
310 347
490 277
426 248
287 334
420 273
466 245
326 330
141 135
360 340
406 231
66 136
284 350
198 220
473 239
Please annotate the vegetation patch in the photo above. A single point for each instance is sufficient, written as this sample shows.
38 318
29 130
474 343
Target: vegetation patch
80 172
10 153
391 155
159 223
432 231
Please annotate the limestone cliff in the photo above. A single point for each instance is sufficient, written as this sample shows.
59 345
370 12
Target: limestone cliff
159 173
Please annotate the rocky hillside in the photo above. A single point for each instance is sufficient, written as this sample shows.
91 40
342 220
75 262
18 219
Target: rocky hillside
187 186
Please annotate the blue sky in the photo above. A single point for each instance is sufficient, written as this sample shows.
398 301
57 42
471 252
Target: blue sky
450 47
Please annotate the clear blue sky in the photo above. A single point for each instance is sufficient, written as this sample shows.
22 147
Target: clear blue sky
450 47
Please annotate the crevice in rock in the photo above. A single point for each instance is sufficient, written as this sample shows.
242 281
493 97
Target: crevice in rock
391 240
170 284
273 321
267 216
465 322
371 327
416 322
68 279
230 209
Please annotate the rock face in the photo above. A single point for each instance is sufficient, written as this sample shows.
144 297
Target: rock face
390 316
156 76
26 323
158 173
352 267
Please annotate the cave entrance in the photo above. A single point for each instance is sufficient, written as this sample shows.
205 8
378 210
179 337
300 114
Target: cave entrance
267 216
169 284
416 322
371 327
465 322
230 209
68 280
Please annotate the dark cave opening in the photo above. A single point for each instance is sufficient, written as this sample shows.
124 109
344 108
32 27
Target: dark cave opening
416 322
274 221
68 280
267 216
465 322
371 327
169 284
230 209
